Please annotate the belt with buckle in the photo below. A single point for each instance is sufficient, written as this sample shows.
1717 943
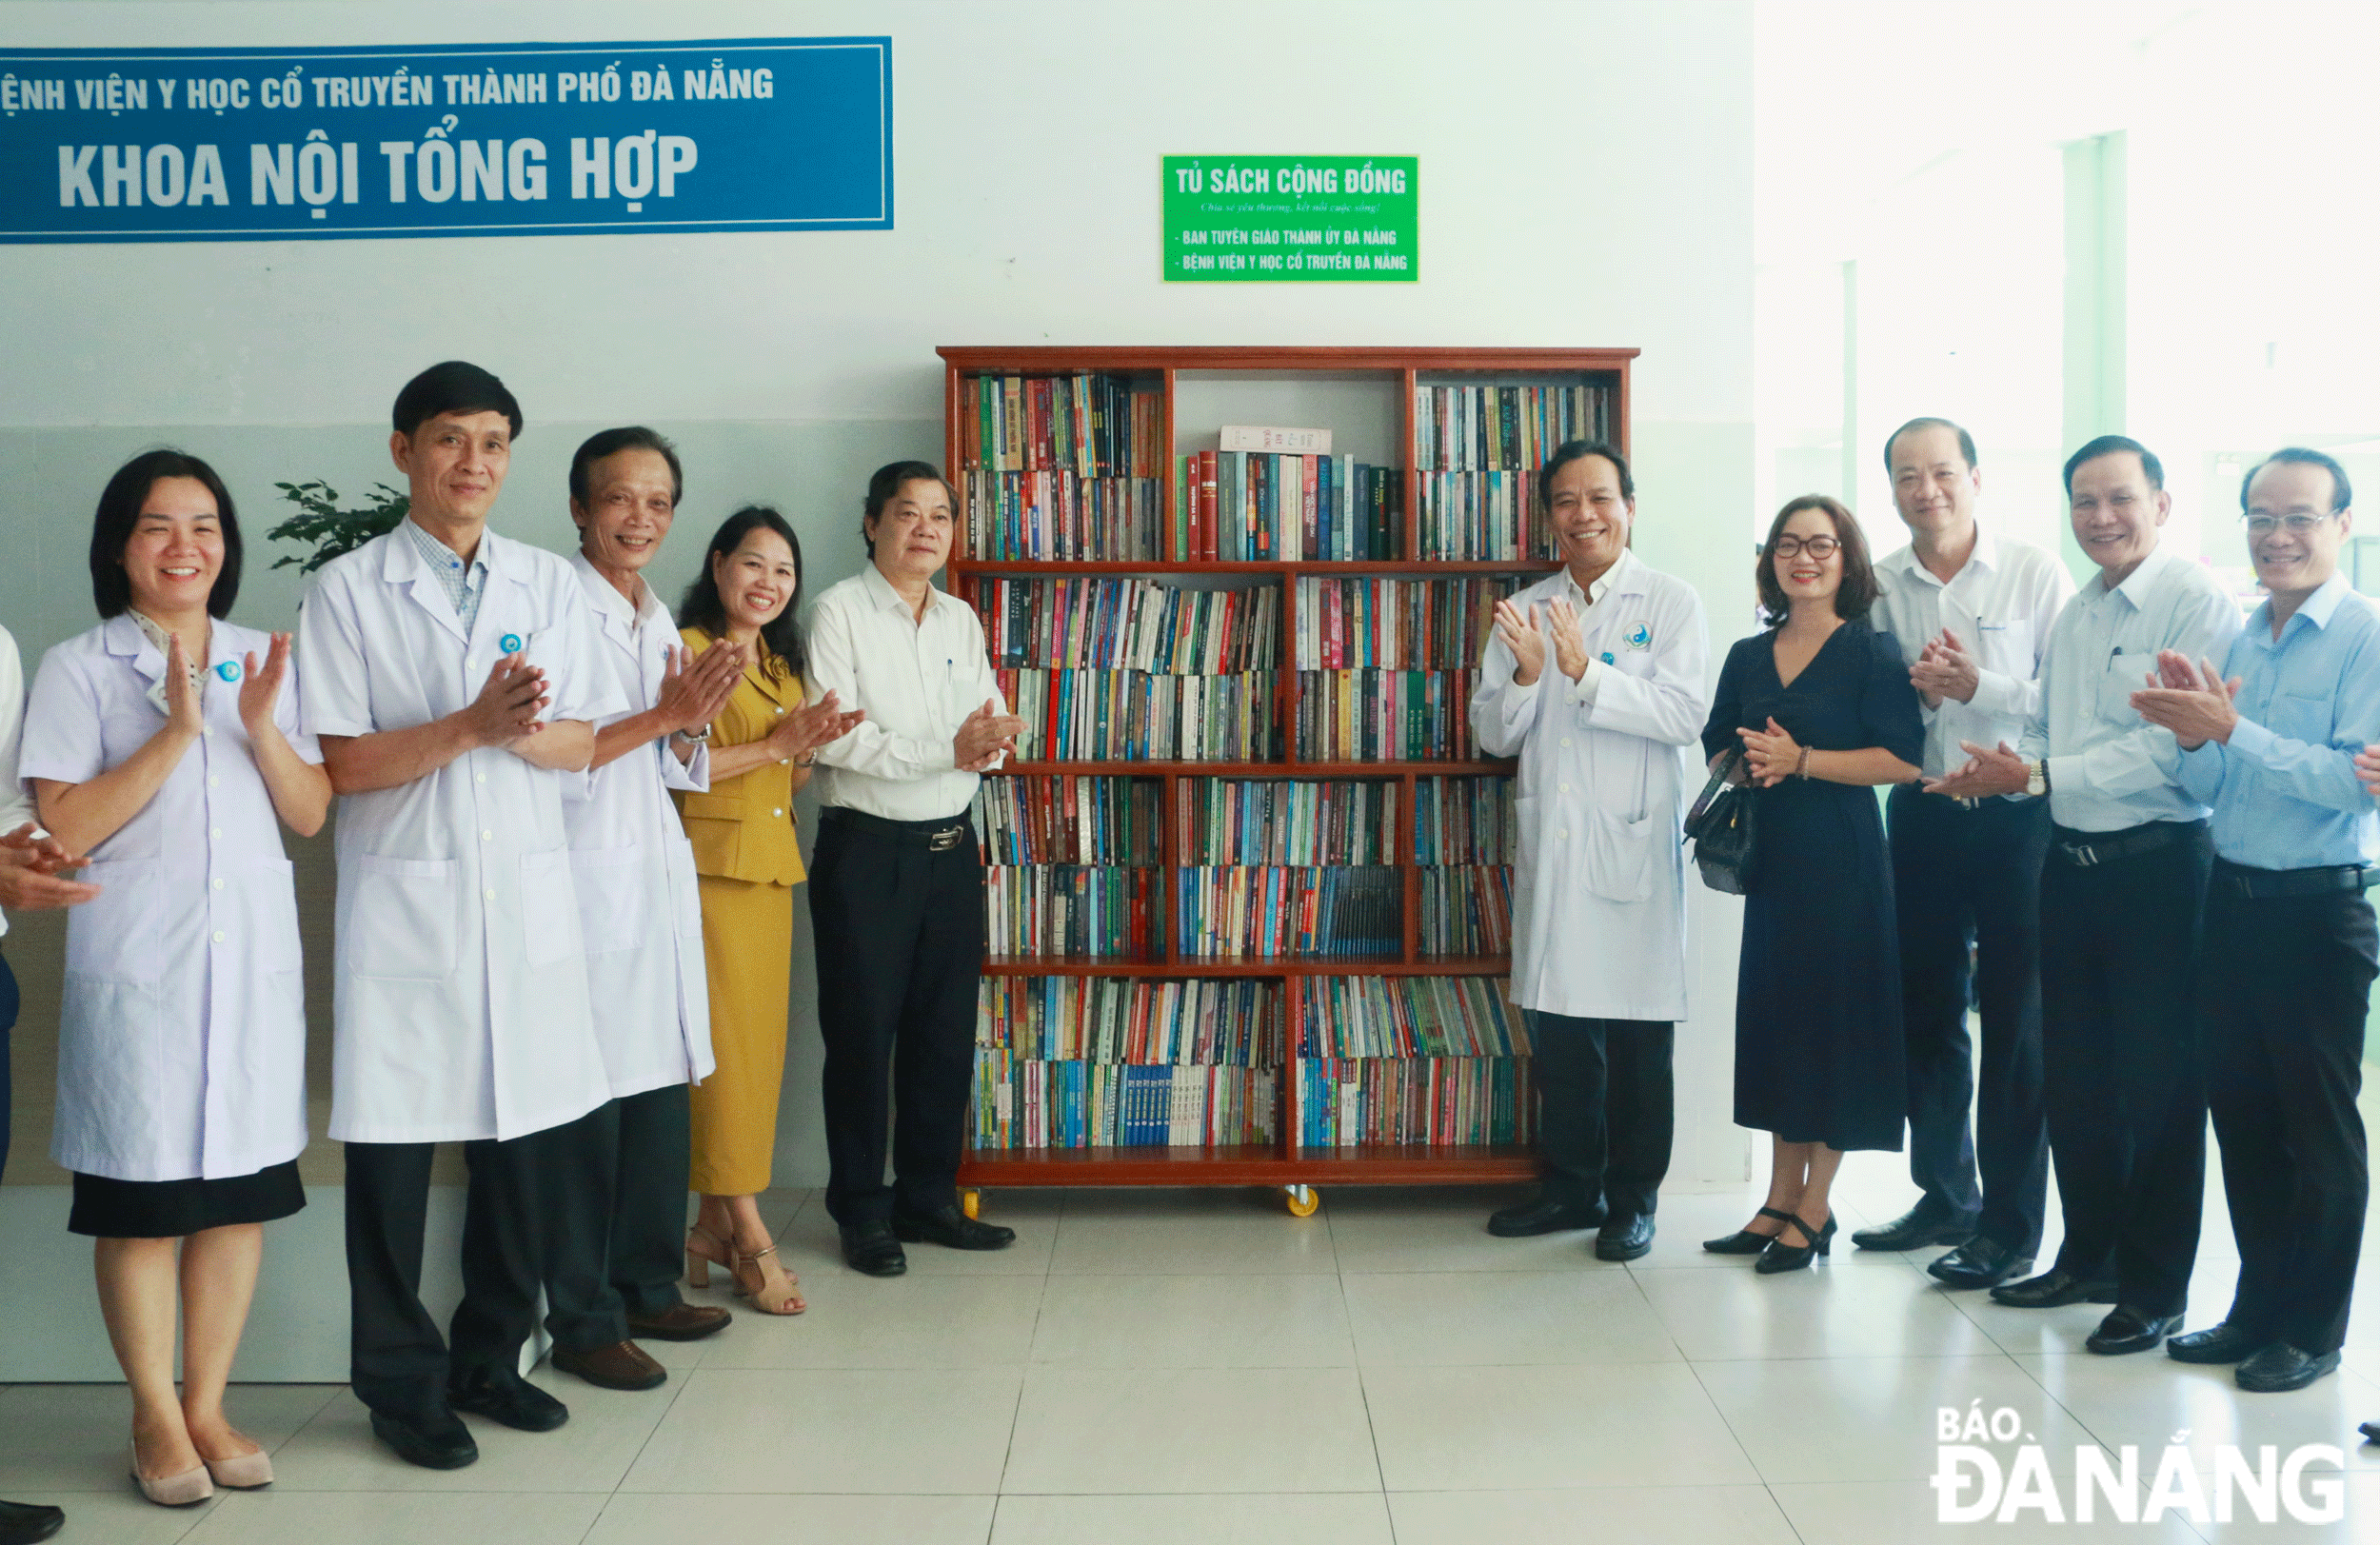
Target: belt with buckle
934 836
2085 850
2248 884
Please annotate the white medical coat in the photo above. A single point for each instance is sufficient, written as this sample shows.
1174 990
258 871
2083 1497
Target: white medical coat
639 908
462 1007
1599 888
182 1032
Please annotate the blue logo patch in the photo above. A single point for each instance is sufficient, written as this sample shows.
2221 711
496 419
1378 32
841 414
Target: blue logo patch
229 670
1638 637
1608 658
511 644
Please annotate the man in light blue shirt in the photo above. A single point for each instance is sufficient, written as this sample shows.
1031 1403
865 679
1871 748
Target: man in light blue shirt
2286 975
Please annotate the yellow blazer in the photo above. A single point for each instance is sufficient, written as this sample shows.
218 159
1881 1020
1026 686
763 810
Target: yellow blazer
744 828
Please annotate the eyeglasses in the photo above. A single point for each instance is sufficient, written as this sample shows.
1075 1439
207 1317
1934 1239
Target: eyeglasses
1819 547
2296 525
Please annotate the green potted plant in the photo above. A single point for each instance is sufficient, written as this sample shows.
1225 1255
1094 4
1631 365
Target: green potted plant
328 529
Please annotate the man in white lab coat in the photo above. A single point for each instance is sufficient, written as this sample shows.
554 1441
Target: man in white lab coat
452 676
1596 681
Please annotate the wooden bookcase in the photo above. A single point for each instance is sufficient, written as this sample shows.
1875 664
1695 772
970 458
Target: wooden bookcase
1397 374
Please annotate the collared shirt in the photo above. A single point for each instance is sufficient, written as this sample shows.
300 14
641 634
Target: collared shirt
917 680
16 808
2110 769
2284 788
1999 607
464 585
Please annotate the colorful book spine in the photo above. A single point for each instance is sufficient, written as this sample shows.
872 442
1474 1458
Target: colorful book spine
1062 466
1478 449
1280 822
1242 912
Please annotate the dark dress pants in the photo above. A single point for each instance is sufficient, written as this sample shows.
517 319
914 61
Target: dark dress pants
2128 1110
2286 985
616 1233
1606 1109
1969 878
397 1363
900 934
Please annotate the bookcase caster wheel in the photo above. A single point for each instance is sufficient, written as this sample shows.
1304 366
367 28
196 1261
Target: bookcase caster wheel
971 1202
1304 1201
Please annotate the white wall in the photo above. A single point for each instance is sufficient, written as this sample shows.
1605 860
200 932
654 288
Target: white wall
1586 181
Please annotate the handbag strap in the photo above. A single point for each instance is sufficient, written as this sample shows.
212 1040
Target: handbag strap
1711 790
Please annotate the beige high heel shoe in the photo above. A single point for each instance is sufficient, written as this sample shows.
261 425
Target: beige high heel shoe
699 1262
243 1472
187 1490
772 1289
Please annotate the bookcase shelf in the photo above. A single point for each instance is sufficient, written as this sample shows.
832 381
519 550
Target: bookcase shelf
1106 495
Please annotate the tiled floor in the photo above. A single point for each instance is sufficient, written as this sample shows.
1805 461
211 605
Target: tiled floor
1164 1368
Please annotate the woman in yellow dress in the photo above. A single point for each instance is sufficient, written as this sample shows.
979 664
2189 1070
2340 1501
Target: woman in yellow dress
748 858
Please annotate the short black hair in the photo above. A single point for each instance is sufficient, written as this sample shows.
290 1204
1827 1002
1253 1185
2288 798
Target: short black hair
453 386
1966 441
120 511
610 443
1578 451
885 486
2109 445
1858 593
2341 494
782 653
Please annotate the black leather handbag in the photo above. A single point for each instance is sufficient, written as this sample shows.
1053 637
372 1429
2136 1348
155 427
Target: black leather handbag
1722 829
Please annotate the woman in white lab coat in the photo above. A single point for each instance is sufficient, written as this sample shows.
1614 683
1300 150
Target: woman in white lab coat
165 743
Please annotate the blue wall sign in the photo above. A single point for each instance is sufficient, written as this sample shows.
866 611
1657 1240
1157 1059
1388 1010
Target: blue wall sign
114 144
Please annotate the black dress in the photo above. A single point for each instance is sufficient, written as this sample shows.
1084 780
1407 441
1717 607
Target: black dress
1818 1048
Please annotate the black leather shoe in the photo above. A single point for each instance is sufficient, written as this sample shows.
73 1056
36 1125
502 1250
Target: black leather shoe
2220 1342
435 1442
1546 1214
2280 1367
2126 1329
2053 1289
1624 1238
1978 1264
1780 1257
1916 1229
2370 1431
21 1523
872 1248
952 1228
1746 1242
503 1395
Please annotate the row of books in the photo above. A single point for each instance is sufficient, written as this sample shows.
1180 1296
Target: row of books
1341 1102
1197 1020
1481 517
1466 909
1059 516
1504 429
1130 624
1093 424
1081 911
1279 821
1384 716
1021 1104
1343 1016
1235 912
1396 623
1265 507
1045 820
1128 715
1465 820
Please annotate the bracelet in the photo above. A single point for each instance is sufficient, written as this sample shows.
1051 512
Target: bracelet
1801 769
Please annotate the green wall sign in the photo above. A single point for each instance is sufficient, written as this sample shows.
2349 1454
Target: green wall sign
1292 218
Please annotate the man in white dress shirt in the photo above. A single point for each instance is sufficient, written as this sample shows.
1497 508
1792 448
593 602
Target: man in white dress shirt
1972 611
2122 895
896 885
1596 680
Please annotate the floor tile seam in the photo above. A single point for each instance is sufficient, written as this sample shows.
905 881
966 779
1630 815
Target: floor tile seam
1371 1428
678 1386
1733 1436
2071 1414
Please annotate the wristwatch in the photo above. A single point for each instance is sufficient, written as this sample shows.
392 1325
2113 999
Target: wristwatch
693 737
2038 778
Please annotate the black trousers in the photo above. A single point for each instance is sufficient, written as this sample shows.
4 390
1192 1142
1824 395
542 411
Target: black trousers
397 1361
616 1217
899 936
1606 1109
2128 1110
8 1022
2286 984
1970 879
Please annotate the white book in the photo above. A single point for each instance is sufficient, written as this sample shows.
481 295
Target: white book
1292 441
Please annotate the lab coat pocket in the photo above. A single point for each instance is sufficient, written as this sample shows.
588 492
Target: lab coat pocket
401 920
1619 856
268 892
2302 719
611 898
549 931
113 937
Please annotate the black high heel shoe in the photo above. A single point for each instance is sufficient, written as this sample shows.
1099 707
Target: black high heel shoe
1780 1257
1745 1242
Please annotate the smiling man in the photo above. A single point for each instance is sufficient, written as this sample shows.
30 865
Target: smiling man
2270 742
2121 894
1596 679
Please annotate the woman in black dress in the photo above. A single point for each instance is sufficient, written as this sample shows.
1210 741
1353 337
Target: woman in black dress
1822 709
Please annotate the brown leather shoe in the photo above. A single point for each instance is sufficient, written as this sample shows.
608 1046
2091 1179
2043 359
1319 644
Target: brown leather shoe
680 1323
623 1365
